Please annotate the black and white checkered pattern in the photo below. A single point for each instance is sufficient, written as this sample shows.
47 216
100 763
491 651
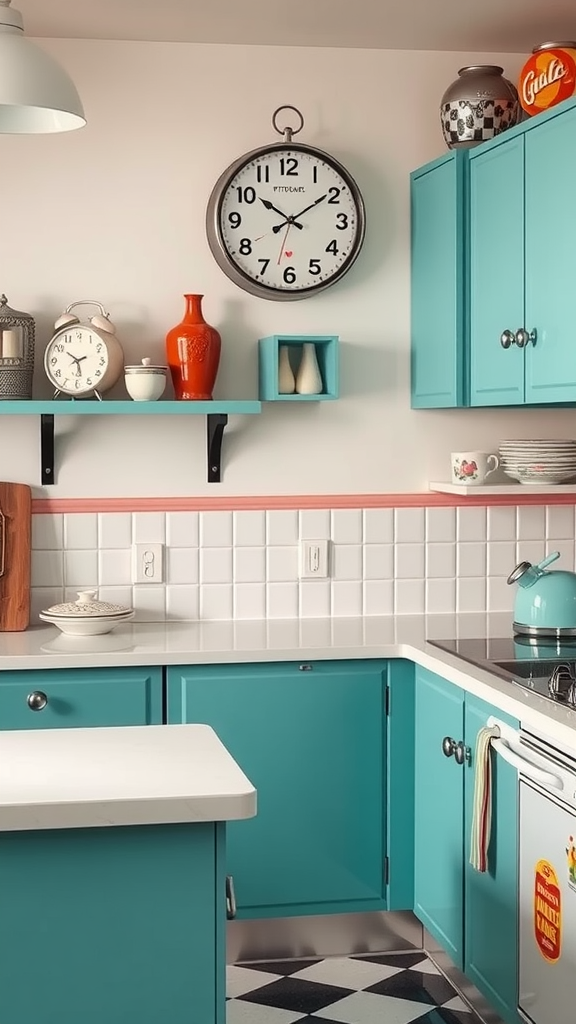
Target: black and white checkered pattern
398 988
467 122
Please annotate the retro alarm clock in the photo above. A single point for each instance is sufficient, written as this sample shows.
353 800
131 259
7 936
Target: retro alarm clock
83 357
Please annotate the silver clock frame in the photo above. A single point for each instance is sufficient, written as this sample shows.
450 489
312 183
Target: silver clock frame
216 241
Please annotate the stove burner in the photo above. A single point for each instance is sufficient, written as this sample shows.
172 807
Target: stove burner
562 684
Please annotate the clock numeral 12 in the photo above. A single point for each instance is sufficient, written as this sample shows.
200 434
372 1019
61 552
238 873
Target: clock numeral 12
289 166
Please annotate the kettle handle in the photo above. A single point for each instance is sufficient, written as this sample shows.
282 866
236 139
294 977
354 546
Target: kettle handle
548 560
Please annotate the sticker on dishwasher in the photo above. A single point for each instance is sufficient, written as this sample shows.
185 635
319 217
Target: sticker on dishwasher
571 858
547 911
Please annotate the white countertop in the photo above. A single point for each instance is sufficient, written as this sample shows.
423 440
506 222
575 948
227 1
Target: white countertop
230 642
139 775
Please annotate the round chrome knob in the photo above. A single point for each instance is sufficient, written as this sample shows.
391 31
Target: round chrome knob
522 337
507 339
37 700
449 746
462 753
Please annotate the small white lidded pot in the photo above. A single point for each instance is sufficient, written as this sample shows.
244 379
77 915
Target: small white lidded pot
144 382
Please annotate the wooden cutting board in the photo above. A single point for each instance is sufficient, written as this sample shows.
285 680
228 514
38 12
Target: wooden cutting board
15 545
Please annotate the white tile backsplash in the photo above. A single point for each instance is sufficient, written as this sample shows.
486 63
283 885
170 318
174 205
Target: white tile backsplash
249 529
347 526
531 522
81 531
47 532
409 525
560 522
282 526
244 564
379 526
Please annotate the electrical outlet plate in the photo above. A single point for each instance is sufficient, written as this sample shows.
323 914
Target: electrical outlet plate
148 563
313 559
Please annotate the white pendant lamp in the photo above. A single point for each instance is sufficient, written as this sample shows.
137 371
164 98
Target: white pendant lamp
36 94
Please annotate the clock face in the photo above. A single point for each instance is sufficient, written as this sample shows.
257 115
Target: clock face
285 222
76 360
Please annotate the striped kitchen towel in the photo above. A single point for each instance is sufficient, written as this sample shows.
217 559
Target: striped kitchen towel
482 806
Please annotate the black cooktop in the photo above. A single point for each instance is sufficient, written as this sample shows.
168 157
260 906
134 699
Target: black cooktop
548 668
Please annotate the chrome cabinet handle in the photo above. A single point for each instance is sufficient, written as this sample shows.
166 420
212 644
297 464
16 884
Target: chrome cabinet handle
462 753
507 338
449 746
230 898
37 700
522 337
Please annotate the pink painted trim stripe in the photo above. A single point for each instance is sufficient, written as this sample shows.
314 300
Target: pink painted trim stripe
426 499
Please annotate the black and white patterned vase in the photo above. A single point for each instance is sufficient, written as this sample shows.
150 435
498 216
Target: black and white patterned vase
480 104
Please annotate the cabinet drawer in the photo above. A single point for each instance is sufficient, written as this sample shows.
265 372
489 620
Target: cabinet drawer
80 698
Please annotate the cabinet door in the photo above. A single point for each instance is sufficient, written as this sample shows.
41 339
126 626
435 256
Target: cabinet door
438 812
437 283
81 697
496 272
491 897
551 259
311 738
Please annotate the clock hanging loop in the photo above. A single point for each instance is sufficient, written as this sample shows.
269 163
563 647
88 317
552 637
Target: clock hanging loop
287 132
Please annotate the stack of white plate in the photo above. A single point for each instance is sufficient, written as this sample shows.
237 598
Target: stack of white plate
86 616
539 461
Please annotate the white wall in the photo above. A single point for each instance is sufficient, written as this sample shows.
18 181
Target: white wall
115 212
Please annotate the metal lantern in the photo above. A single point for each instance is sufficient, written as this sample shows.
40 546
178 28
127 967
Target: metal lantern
17 331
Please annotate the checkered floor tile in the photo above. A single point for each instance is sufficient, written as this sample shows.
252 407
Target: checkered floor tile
395 988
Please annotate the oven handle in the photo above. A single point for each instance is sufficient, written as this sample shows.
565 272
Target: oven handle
504 745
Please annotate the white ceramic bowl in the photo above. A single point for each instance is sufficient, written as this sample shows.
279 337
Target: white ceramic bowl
89 626
144 382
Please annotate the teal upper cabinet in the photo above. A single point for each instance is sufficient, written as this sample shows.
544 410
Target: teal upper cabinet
496 272
523 265
437 199
493 270
78 698
312 739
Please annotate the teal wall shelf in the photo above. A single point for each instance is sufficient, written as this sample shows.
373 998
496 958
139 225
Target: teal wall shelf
216 420
91 407
327 354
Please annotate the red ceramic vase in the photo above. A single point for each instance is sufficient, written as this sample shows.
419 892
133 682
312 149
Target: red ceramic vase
193 353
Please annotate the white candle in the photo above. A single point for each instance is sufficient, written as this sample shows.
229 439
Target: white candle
11 344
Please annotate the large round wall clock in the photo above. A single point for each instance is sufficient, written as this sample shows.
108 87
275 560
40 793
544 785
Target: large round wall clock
287 220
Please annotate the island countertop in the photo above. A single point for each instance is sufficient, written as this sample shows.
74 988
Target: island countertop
135 775
174 643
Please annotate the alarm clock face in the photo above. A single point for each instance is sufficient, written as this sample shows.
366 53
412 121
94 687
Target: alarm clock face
285 222
76 360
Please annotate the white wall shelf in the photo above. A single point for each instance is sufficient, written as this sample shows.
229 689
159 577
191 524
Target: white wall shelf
502 489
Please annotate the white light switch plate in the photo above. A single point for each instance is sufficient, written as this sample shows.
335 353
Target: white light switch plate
313 559
148 566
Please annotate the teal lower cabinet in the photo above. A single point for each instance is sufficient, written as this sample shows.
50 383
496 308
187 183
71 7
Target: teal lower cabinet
491 897
79 698
472 915
312 739
162 959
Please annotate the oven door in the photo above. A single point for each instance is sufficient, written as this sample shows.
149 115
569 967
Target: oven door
547 906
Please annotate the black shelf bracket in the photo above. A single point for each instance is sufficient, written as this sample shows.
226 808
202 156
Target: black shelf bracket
216 421
46 449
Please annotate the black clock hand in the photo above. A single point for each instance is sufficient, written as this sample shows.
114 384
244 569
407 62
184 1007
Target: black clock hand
294 219
270 206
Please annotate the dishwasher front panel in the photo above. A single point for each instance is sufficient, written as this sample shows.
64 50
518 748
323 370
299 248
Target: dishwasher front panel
547 889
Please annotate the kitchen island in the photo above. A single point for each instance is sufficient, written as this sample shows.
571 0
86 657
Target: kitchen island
112 874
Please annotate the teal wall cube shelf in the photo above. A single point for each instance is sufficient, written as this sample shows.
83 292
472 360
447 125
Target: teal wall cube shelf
327 354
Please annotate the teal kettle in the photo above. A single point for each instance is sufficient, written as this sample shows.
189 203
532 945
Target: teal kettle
545 603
